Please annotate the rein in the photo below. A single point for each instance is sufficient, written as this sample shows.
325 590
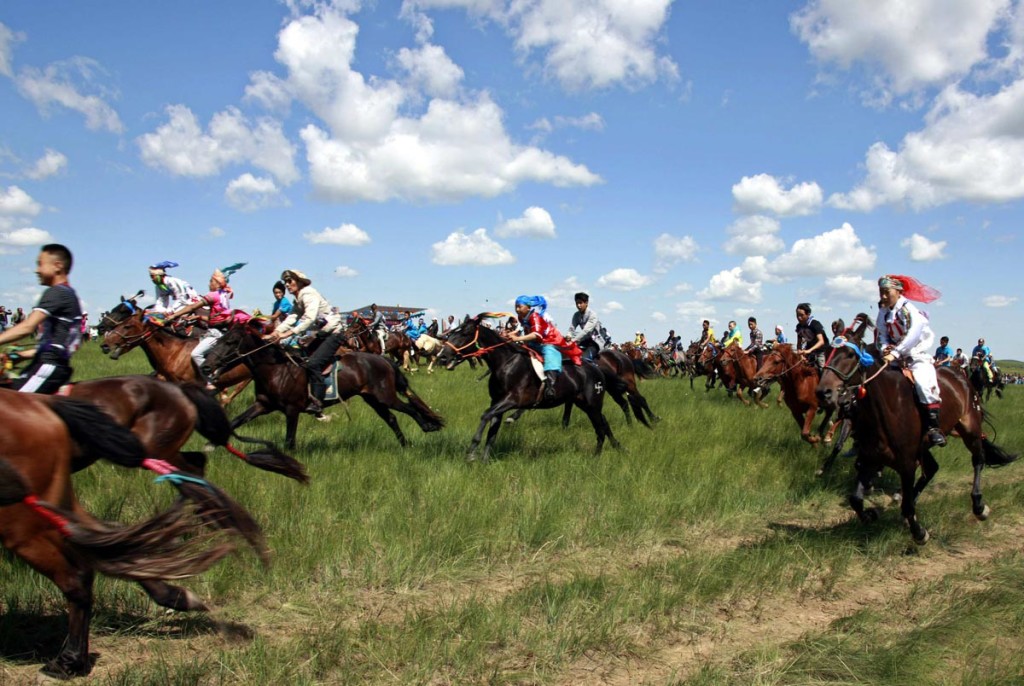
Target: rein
480 351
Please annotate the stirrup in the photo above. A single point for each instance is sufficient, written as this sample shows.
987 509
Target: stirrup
935 438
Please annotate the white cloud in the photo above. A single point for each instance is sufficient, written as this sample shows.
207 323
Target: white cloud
536 222
624 279
971 148
346 234
431 70
63 84
591 121
16 202
834 252
763 193
25 237
922 249
999 300
680 288
52 162
344 272
669 251
754 235
217 232
472 249
911 43
731 284
851 289
614 306
181 147
659 316
8 38
696 308
249 193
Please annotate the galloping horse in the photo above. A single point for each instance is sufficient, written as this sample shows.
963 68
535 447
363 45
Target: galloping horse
694 367
889 430
979 380
41 438
127 326
799 381
736 368
399 346
280 382
513 384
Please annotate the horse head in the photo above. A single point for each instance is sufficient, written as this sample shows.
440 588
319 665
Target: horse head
234 347
122 328
777 361
845 368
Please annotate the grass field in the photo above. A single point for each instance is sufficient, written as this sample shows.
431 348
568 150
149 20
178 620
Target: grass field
706 552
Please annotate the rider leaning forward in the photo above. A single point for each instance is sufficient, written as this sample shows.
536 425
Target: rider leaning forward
905 336
541 335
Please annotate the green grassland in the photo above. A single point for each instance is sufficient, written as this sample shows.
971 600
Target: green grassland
705 552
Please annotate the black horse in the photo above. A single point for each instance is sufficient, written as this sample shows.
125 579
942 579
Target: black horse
281 383
513 384
979 380
889 429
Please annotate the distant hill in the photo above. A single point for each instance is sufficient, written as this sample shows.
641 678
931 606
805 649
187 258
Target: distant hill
1012 366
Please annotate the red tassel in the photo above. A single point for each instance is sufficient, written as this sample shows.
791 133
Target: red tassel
53 518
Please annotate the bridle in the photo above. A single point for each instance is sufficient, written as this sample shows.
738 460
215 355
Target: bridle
480 350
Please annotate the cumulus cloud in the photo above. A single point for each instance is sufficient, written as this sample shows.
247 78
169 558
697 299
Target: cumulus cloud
839 251
344 272
536 222
181 147
583 44
922 249
249 193
346 234
25 237
217 232
670 250
624 279
16 202
696 308
52 162
614 306
909 45
67 84
659 316
431 70
8 39
732 284
754 235
476 249
851 289
999 300
764 193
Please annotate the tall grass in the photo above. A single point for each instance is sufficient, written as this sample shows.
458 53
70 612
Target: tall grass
412 566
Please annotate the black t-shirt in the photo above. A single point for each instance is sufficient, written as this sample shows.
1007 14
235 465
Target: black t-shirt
807 334
61 331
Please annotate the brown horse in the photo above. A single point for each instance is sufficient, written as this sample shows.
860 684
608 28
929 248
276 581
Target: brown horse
513 384
41 438
281 383
799 381
169 352
736 368
398 345
889 430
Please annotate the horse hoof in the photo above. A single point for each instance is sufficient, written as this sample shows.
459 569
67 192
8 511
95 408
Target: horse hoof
323 417
983 515
870 516
923 538
819 472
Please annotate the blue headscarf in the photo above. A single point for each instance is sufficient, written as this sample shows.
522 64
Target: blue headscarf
536 303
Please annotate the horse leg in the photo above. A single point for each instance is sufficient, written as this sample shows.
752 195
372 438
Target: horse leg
252 412
978 507
929 467
909 506
228 395
173 597
384 412
514 417
566 413
864 478
491 416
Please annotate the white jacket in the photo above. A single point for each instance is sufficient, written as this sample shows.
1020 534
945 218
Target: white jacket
906 328
311 311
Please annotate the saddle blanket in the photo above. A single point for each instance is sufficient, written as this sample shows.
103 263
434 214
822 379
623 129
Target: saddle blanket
332 383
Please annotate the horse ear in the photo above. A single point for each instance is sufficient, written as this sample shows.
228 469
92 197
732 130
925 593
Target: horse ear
139 294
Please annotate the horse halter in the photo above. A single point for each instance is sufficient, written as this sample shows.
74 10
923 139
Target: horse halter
476 341
864 359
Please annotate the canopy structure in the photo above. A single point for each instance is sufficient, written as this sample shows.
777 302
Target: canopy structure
393 314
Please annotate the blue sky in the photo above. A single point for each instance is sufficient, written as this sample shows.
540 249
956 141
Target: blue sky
676 160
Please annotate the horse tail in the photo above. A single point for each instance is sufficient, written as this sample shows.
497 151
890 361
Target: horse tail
996 456
426 418
166 546
97 434
213 424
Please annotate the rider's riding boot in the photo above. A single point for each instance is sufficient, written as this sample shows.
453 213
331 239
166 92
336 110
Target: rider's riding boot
317 389
934 435
549 385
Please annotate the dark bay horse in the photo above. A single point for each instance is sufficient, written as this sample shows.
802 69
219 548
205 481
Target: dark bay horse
281 383
736 368
513 384
399 346
41 438
979 380
889 430
169 352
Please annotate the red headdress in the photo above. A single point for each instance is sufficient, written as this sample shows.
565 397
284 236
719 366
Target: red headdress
911 288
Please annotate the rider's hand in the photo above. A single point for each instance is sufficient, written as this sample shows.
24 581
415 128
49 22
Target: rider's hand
888 357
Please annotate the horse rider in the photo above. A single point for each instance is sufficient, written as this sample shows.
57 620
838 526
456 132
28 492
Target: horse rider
311 313
172 293
541 334
983 354
756 347
586 329
433 328
905 336
960 358
943 354
732 335
640 340
57 317
810 337
780 335
378 326
221 316
707 334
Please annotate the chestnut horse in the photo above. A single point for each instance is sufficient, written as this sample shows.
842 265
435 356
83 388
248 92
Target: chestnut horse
889 430
41 438
513 384
281 383
127 326
398 345
736 368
